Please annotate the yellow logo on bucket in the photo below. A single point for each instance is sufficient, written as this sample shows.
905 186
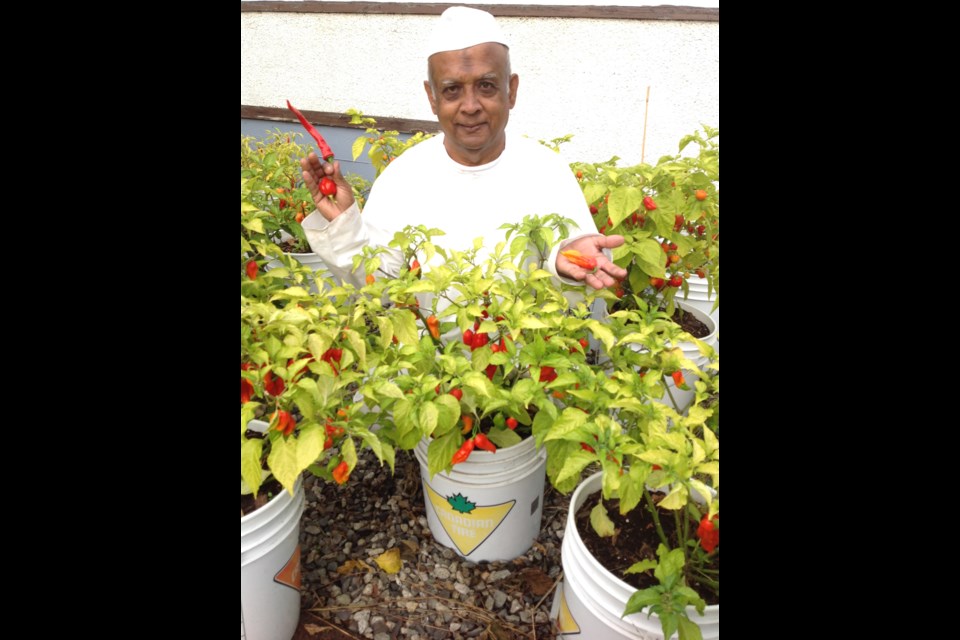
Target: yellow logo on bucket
565 622
467 524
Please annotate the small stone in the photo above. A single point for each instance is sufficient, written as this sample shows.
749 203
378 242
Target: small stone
461 588
499 575
488 603
363 620
344 599
526 616
312 529
368 590
541 617
441 573
447 554
515 606
499 597
455 626
411 606
383 635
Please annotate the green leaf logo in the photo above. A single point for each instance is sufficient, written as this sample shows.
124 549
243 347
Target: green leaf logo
461 504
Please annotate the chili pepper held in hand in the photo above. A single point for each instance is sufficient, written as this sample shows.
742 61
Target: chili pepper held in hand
463 452
325 150
579 259
482 441
328 187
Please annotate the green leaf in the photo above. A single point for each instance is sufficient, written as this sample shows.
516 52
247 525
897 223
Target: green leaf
250 471
428 418
448 413
309 445
567 379
517 246
349 452
529 322
688 630
256 224
676 499
623 202
601 522
643 565
631 488
388 389
593 191
386 331
479 383
440 452
602 333
282 461
421 286
523 391
569 420
574 464
358 146
650 258
641 599
405 327
503 437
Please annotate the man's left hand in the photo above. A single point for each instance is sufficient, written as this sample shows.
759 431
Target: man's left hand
606 274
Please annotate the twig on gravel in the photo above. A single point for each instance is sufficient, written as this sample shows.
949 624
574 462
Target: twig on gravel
343 631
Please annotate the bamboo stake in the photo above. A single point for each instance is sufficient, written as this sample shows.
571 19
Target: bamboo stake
646 110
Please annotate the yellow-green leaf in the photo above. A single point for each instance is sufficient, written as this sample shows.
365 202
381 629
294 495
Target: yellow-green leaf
601 522
309 445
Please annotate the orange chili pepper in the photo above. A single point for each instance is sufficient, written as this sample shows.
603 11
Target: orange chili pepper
579 259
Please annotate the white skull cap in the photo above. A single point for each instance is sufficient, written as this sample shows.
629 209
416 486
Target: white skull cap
463 27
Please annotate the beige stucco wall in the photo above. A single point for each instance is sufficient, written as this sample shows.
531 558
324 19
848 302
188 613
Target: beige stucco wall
587 77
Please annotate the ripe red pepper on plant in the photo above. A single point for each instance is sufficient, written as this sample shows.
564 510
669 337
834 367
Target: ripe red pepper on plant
325 152
342 472
512 423
246 388
433 324
708 533
463 452
649 204
481 440
285 422
273 384
252 270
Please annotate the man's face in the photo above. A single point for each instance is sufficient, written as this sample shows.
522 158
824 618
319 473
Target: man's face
475 93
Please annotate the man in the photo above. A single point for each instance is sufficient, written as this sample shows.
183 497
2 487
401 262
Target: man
468 181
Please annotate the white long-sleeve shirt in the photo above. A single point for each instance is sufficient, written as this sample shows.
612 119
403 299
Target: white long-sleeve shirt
425 186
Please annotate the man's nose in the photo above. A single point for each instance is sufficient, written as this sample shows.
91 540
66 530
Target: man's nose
470 102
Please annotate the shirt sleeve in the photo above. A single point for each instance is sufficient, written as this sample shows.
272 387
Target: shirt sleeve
337 241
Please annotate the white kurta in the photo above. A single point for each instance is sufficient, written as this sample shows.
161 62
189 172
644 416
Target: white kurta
425 186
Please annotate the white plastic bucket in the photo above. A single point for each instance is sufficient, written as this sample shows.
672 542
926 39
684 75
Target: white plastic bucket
270 566
690 349
490 506
697 297
591 599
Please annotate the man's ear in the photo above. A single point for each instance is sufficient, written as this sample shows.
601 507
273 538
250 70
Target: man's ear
514 83
433 101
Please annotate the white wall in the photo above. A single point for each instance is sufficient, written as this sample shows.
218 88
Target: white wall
587 77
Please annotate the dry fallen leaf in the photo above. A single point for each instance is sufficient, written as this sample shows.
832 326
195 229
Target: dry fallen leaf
536 581
389 560
353 565
313 629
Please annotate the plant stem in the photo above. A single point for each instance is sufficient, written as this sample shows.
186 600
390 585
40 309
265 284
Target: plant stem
652 508
672 400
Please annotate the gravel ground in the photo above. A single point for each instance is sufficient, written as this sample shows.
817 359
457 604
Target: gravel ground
436 594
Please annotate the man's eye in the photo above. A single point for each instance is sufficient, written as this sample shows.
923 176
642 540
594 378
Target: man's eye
450 91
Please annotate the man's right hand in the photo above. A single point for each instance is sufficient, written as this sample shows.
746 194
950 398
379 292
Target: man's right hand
313 172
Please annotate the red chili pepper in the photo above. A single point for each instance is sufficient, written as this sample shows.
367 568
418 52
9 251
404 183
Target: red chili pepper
709 535
328 187
246 391
285 422
586 447
547 374
463 452
342 472
457 393
252 270
649 204
484 443
512 423
491 371
433 324
678 378
325 150
273 384
579 259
